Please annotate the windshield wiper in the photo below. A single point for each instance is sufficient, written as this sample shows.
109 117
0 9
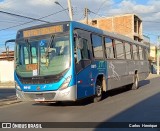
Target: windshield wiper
49 45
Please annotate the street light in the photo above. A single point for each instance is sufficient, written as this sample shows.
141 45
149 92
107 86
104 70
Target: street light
56 2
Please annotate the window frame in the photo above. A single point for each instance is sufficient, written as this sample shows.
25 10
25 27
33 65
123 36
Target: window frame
102 44
113 47
142 53
116 48
125 42
137 48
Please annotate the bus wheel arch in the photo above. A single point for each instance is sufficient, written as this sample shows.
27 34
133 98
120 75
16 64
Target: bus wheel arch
100 86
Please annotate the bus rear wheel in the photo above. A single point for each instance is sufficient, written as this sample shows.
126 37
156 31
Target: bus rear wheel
98 92
135 85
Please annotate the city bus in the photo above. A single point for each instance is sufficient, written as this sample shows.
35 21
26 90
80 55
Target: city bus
70 61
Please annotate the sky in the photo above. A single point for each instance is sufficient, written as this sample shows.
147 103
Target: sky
147 10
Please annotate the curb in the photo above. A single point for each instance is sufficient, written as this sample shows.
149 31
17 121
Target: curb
151 76
8 101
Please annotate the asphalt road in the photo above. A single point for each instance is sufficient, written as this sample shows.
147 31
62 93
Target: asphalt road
122 105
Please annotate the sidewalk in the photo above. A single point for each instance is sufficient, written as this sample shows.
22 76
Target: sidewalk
152 76
7 85
7 94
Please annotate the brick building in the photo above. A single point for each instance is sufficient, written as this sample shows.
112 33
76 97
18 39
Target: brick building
5 56
129 25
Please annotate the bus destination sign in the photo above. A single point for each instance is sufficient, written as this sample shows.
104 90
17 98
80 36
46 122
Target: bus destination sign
43 31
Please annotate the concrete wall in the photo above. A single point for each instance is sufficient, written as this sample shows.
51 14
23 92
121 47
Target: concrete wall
6 71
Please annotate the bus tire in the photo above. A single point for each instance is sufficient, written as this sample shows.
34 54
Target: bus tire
98 92
135 85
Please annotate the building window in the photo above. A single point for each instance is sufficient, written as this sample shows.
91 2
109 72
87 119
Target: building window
97 46
135 26
109 48
128 51
135 52
119 49
94 22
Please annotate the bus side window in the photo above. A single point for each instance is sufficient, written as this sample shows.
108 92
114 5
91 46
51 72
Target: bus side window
119 49
81 54
85 51
128 51
135 52
146 54
97 46
140 53
109 48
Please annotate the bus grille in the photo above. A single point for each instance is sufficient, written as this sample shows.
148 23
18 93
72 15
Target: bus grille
47 96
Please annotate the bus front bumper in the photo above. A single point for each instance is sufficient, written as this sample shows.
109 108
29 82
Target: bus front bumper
68 94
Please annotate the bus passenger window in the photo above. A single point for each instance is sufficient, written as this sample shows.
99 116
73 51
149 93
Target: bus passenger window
109 48
119 49
128 51
135 52
146 53
97 46
85 51
81 54
140 53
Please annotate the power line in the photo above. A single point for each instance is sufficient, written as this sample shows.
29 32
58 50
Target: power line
5 4
32 20
22 16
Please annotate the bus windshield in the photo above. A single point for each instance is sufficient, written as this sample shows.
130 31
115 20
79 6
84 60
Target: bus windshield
43 56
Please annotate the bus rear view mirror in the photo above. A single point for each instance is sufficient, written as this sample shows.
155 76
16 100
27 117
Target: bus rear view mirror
7 47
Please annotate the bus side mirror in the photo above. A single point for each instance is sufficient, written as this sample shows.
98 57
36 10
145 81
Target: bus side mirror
7 51
7 47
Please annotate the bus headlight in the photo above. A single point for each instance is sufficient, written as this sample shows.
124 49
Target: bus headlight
17 86
65 83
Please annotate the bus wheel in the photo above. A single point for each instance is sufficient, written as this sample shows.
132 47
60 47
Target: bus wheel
98 92
135 85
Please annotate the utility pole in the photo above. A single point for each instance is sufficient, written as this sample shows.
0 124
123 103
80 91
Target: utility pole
70 10
158 55
86 11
